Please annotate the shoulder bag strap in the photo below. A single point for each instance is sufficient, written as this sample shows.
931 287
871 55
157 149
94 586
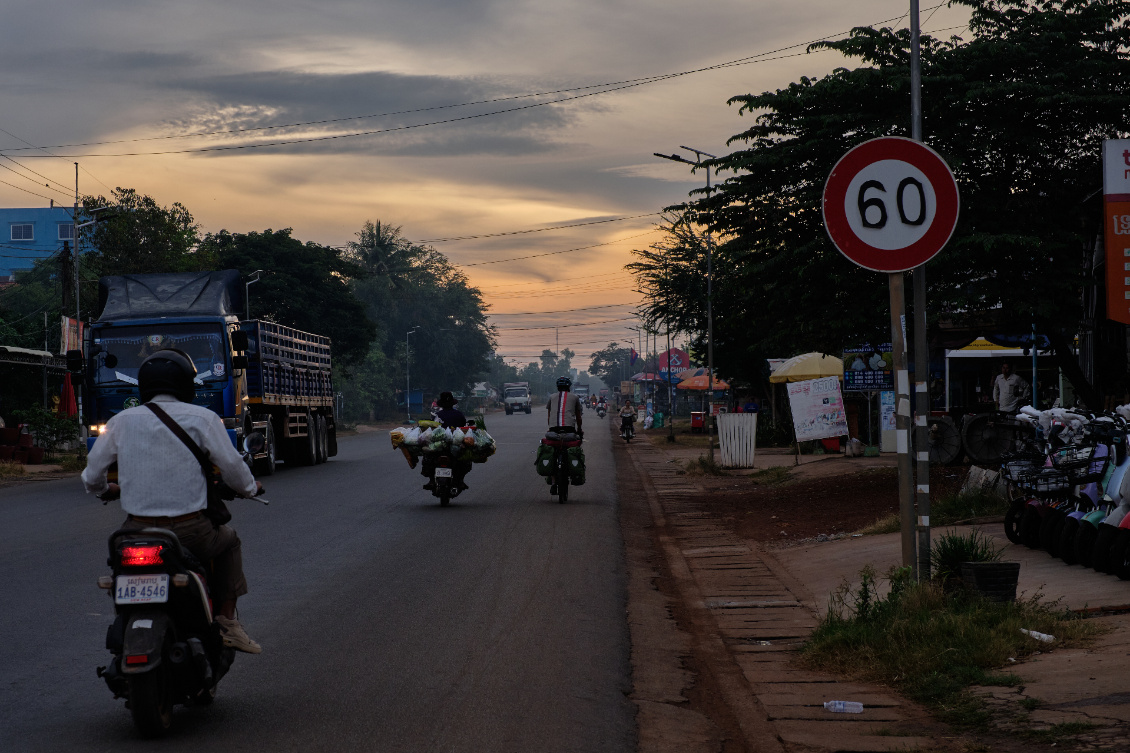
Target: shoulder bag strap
182 435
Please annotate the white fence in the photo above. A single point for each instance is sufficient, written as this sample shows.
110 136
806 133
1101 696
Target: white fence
737 436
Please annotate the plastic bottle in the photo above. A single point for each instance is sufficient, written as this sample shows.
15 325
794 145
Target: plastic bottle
844 707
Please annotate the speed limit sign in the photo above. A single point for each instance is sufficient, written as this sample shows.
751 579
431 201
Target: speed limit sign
890 204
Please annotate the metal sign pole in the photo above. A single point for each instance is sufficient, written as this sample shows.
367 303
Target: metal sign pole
902 418
921 342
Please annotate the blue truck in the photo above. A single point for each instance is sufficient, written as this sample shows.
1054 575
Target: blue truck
256 375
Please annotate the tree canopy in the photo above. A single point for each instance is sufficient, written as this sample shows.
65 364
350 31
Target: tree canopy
1018 110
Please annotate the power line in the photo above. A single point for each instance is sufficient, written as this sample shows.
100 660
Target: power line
562 279
554 253
603 89
568 311
542 230
564 326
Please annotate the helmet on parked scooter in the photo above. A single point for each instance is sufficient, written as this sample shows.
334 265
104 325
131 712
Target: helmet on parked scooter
564 384
167 372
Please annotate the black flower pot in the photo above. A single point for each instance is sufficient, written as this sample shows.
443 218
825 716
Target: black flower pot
996 581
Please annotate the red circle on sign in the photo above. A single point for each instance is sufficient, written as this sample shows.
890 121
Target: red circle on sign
945 214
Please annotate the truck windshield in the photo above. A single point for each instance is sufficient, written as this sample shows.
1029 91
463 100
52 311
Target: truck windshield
202 341
516 392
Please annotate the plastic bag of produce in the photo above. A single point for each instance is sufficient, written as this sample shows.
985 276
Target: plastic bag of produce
428 424
457 437
397 437
412 437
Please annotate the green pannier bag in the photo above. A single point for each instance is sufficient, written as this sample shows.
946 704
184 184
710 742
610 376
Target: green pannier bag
576 466
544 461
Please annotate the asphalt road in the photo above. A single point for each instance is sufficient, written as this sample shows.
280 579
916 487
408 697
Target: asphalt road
387 622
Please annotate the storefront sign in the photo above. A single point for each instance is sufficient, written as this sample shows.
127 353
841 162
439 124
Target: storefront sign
1116 219
867 369
887 410
818 409
70 335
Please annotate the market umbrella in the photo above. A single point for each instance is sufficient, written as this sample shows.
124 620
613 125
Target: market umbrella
67 405
808 366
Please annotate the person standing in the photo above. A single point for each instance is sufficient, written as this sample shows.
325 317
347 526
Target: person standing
1010 391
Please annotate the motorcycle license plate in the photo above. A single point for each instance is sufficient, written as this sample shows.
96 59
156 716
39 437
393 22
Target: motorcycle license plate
142 589
443 473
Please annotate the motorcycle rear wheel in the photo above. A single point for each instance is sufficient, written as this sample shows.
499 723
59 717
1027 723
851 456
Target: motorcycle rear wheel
151 701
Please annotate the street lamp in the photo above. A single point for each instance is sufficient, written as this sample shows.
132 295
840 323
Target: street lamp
408 375
698 155
247 292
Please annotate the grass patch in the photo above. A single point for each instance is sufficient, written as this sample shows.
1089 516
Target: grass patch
886 524
930 645
11 469
955 508
71 462
944 511
703 465
771 476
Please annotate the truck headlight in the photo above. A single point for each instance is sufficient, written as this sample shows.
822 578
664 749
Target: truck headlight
97 429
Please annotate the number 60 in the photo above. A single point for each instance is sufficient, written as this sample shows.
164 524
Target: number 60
865 203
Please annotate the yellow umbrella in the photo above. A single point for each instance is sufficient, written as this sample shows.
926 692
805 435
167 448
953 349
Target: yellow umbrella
808 366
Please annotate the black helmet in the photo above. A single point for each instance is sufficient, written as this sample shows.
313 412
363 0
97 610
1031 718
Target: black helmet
167 372
564 383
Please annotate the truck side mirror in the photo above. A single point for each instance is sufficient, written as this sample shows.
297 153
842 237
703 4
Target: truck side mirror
74 361
239 341
239 362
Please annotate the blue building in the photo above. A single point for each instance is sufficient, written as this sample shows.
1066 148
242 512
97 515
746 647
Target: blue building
28 235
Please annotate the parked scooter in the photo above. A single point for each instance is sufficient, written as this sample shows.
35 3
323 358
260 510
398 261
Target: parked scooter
166 648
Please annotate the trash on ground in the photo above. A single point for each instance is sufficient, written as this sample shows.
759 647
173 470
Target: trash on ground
844 707
1039 636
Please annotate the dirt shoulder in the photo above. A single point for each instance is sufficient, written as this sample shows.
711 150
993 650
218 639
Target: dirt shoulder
718 607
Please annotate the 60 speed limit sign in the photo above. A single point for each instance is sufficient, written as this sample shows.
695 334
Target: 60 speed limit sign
890 204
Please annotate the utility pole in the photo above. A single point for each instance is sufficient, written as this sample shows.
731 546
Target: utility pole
698 155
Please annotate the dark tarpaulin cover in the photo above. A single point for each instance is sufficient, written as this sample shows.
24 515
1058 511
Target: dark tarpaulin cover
175 294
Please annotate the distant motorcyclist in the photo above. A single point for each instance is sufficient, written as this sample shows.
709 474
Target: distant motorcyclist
161 483
449 417
627 417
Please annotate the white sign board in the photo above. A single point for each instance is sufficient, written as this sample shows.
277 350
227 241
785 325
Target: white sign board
818 409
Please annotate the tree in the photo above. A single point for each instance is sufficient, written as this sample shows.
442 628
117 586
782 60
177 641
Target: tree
408 286
304 285
1018 111
610 364
139 236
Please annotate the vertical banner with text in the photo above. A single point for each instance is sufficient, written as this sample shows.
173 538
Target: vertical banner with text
1116 222
70 337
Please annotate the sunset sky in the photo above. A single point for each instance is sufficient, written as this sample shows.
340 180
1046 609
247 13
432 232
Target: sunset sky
378 104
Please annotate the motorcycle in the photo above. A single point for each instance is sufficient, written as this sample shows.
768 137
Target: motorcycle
441 480
627 427
601 411
166 648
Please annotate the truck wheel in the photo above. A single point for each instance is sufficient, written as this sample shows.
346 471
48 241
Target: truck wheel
320 439
331 440
306 448
266 466
528 410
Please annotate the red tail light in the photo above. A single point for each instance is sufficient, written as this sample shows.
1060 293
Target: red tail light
140 556
137 659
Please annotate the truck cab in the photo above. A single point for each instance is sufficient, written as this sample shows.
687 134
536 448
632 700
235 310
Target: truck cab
516 397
